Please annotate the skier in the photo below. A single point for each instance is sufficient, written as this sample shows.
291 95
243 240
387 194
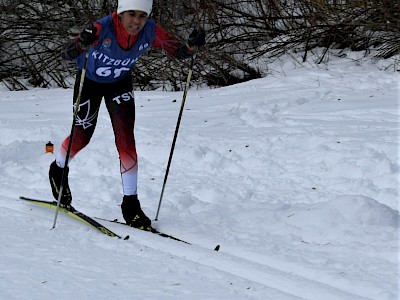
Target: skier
115 43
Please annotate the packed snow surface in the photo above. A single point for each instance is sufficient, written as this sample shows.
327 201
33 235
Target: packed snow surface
295 176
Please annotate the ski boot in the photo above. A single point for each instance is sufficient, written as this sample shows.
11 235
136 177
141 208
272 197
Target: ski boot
133 214
55 177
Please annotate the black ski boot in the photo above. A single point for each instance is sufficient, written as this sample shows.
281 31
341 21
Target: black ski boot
55 176
133 214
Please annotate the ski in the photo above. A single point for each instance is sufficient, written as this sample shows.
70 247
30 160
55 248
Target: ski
153 230
72 212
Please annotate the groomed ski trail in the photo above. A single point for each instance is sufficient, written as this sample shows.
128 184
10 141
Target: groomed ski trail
271 277
281 281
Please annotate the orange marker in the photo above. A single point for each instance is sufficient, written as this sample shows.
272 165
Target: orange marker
49 147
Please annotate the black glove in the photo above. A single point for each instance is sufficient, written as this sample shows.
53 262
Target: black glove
88 36
197 38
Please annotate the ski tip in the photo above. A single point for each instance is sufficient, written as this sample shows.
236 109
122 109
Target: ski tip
126 238
217 248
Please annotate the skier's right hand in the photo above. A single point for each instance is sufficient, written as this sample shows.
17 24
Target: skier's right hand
88 36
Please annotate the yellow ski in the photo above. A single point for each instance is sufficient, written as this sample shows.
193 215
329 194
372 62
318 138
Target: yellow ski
72 212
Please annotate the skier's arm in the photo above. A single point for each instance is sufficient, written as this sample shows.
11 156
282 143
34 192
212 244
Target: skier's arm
175 47
74 48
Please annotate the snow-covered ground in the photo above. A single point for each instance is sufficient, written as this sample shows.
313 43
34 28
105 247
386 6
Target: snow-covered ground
295 175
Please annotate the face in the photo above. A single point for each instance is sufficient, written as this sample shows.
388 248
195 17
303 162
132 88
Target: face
133 21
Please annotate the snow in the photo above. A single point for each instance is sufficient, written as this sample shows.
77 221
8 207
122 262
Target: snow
295 175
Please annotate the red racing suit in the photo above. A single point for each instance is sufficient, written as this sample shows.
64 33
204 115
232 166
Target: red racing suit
118 95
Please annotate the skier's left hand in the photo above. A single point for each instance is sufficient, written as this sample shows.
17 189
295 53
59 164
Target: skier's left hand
197 38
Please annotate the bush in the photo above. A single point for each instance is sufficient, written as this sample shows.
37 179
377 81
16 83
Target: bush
241 36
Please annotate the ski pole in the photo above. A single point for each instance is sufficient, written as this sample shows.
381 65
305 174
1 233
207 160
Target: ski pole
71 136
176 132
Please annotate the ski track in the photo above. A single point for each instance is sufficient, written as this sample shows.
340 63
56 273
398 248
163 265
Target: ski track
254 271
284 283
185 255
